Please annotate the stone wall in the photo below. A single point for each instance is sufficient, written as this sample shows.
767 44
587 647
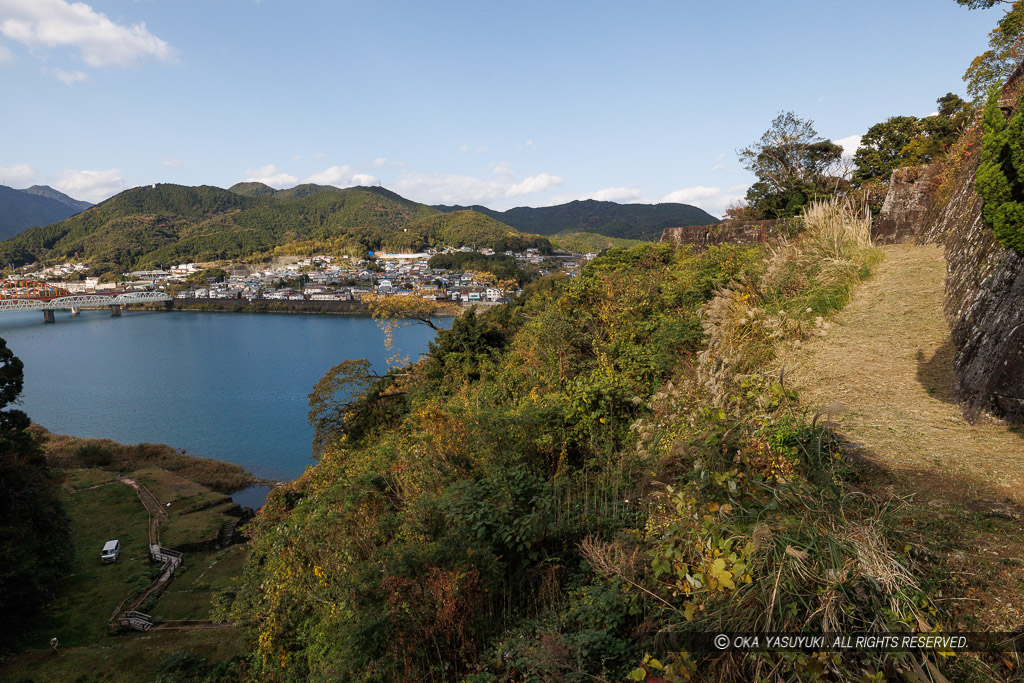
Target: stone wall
731 232
906 205
984 288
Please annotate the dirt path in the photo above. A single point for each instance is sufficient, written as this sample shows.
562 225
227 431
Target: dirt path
888 361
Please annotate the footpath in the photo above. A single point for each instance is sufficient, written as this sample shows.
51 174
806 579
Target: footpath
887 360
957 487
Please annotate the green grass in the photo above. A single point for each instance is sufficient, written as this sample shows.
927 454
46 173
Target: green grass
129 658
89 595
92 591
203 574
84 478
194 527
168 487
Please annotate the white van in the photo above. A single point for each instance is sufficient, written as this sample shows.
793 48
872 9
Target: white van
111 549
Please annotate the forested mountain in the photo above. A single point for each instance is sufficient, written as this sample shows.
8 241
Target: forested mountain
38 205
165 224
47 191
631 221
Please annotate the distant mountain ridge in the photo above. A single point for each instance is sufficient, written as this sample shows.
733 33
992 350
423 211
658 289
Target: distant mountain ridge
34 206
629 221
164 224
47 191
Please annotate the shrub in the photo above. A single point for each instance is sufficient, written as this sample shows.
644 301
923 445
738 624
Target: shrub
94 455
1000 177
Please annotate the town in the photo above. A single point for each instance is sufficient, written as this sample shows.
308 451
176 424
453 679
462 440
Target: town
324 277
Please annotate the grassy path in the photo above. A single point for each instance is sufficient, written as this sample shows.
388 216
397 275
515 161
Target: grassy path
888 361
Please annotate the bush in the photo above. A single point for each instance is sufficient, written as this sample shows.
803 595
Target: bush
94 455
999 180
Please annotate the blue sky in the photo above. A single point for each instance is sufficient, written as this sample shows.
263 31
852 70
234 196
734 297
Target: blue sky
502 104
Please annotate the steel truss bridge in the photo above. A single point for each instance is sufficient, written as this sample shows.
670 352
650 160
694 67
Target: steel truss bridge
24 295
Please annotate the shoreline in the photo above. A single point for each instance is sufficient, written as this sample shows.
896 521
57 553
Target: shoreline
350 308
342 308
64 451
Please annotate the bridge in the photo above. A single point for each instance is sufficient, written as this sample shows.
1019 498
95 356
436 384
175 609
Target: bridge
28 295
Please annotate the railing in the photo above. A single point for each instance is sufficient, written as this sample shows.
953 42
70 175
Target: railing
83 301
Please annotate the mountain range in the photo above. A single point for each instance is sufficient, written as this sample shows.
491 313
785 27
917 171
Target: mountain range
34 206
164 224
630 221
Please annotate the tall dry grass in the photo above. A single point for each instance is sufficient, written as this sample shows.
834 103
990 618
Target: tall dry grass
806 279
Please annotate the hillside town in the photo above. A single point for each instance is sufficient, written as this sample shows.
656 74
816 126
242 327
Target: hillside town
318 278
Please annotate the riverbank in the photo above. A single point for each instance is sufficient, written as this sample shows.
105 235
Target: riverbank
306 307
68 452
356 308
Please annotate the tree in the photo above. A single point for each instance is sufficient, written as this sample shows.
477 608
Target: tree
992 67
397 311
793 165
908 140
35 540
999 180
881 150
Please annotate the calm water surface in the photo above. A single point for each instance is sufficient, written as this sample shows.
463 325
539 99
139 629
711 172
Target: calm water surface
230 386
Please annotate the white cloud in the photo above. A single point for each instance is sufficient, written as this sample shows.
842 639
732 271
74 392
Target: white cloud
448 188
379 162
451 188
172 163
341 176
335 175
70 77
608 194
850 145
6 56
19 174
270 175
470 148
714 200
92 186
717 167
537 183
503 169
98 40
319 156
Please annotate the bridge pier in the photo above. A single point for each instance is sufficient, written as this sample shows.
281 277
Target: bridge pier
75 311
48 316
115 311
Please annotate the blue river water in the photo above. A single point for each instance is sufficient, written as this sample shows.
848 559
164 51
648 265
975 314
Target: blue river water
230 386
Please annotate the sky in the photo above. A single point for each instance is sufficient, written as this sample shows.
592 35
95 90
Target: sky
456 102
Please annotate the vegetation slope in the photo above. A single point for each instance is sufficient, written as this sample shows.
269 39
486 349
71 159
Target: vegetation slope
584 484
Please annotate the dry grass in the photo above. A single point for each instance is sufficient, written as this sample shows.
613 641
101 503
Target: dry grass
889 362
62 451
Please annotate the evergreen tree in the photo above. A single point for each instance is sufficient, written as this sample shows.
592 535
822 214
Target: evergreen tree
35 537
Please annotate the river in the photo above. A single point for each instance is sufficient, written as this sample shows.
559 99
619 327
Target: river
229 386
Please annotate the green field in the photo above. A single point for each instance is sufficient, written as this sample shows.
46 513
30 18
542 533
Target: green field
89 595
92 591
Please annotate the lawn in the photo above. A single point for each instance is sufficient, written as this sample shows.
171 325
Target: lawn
190 594
88 596
82 479
129 658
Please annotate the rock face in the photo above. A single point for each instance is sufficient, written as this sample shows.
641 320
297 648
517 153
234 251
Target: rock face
984 286
906 204
731 232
